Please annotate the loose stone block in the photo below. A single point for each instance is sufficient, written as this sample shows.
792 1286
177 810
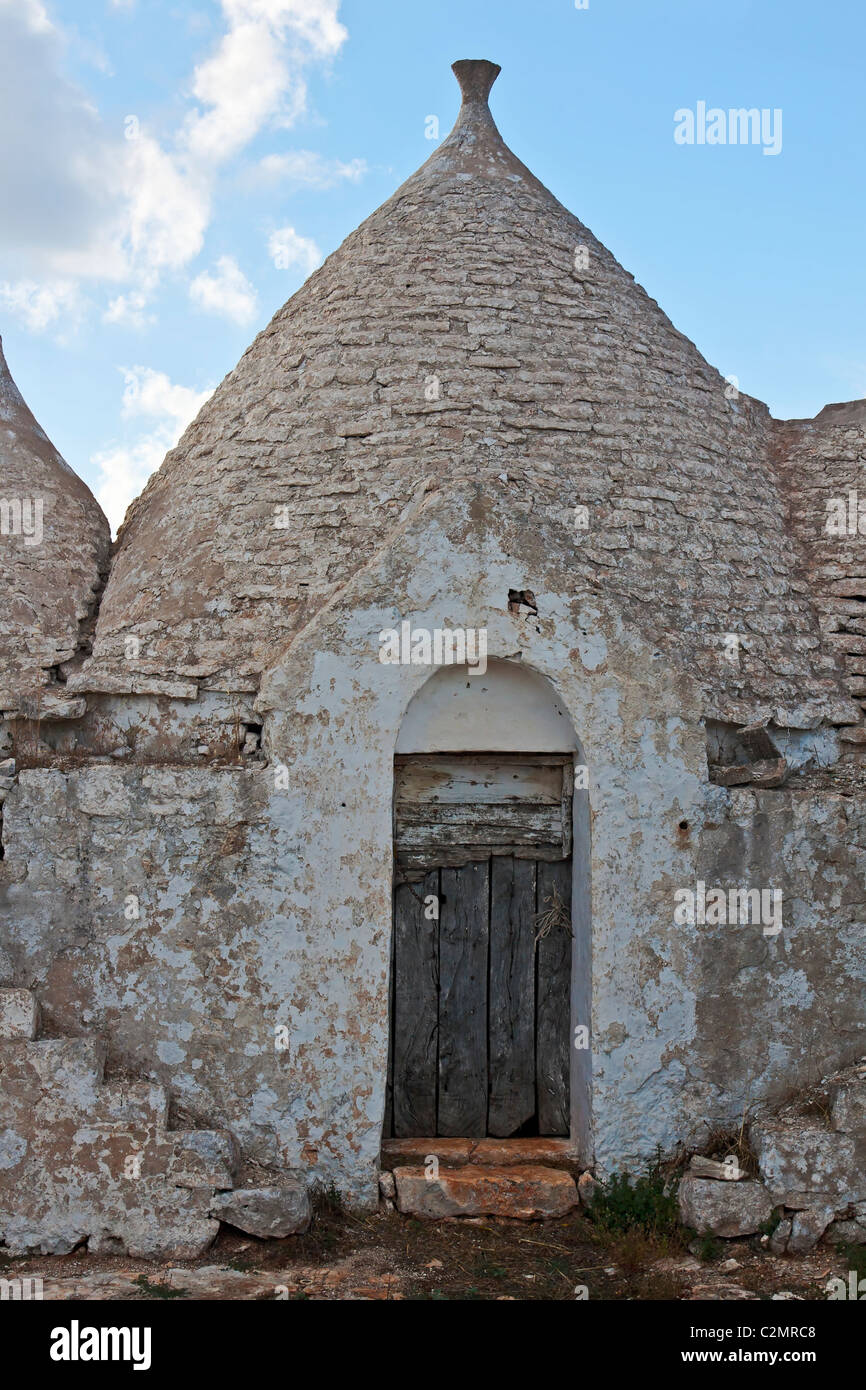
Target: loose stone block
848 1232
709 1168
268 1212
778 1242
588 1189
723 1208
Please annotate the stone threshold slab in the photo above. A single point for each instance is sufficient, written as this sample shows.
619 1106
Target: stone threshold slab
500 1153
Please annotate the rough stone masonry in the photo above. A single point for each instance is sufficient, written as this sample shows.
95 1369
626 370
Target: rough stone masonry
469 400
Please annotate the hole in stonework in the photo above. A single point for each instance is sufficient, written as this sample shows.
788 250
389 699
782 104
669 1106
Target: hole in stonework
684 825
7 780
250 740
522 598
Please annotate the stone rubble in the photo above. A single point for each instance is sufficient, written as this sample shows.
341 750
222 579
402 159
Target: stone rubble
588 1188
812 1175
88 1160
729 1171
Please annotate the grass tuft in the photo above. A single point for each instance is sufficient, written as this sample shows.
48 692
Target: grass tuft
647 1204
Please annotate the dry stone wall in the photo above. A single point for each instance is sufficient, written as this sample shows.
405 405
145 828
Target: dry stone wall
88 1160
810 1175
822 465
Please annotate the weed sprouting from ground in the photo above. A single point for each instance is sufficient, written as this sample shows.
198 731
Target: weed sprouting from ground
328 1236
709 1249
327 1200
647 1204
855 1256
769 1227
635 1251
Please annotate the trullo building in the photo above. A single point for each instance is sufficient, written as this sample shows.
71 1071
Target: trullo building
463 740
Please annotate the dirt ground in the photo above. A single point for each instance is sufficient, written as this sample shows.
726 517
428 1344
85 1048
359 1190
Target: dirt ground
383 1255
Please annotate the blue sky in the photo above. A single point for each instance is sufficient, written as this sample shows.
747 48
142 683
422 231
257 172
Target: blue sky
172 171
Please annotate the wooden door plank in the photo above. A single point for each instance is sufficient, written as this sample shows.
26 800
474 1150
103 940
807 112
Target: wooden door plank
465 779
413 864
415 1026
512 996
434 824
463 951
553 995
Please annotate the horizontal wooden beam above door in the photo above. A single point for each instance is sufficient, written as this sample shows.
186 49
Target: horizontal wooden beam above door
450 809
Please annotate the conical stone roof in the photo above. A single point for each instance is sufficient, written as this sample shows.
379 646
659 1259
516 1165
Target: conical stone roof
471 328
54 546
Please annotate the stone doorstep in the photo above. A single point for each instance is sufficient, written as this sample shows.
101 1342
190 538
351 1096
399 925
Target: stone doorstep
500 1153
522 1192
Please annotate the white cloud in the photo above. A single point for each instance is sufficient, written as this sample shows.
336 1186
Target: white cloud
39 306
288 249
256 73
125 467
227 292
80 201
128 310
315 22
307 169
123 471
242 85
168 208
58 170
148 392
33 12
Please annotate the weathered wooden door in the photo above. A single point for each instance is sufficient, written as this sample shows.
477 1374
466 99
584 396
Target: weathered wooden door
481 965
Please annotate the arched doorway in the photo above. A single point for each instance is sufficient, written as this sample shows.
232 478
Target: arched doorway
489 967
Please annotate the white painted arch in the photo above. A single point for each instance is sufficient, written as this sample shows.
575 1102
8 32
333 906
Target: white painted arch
507 709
